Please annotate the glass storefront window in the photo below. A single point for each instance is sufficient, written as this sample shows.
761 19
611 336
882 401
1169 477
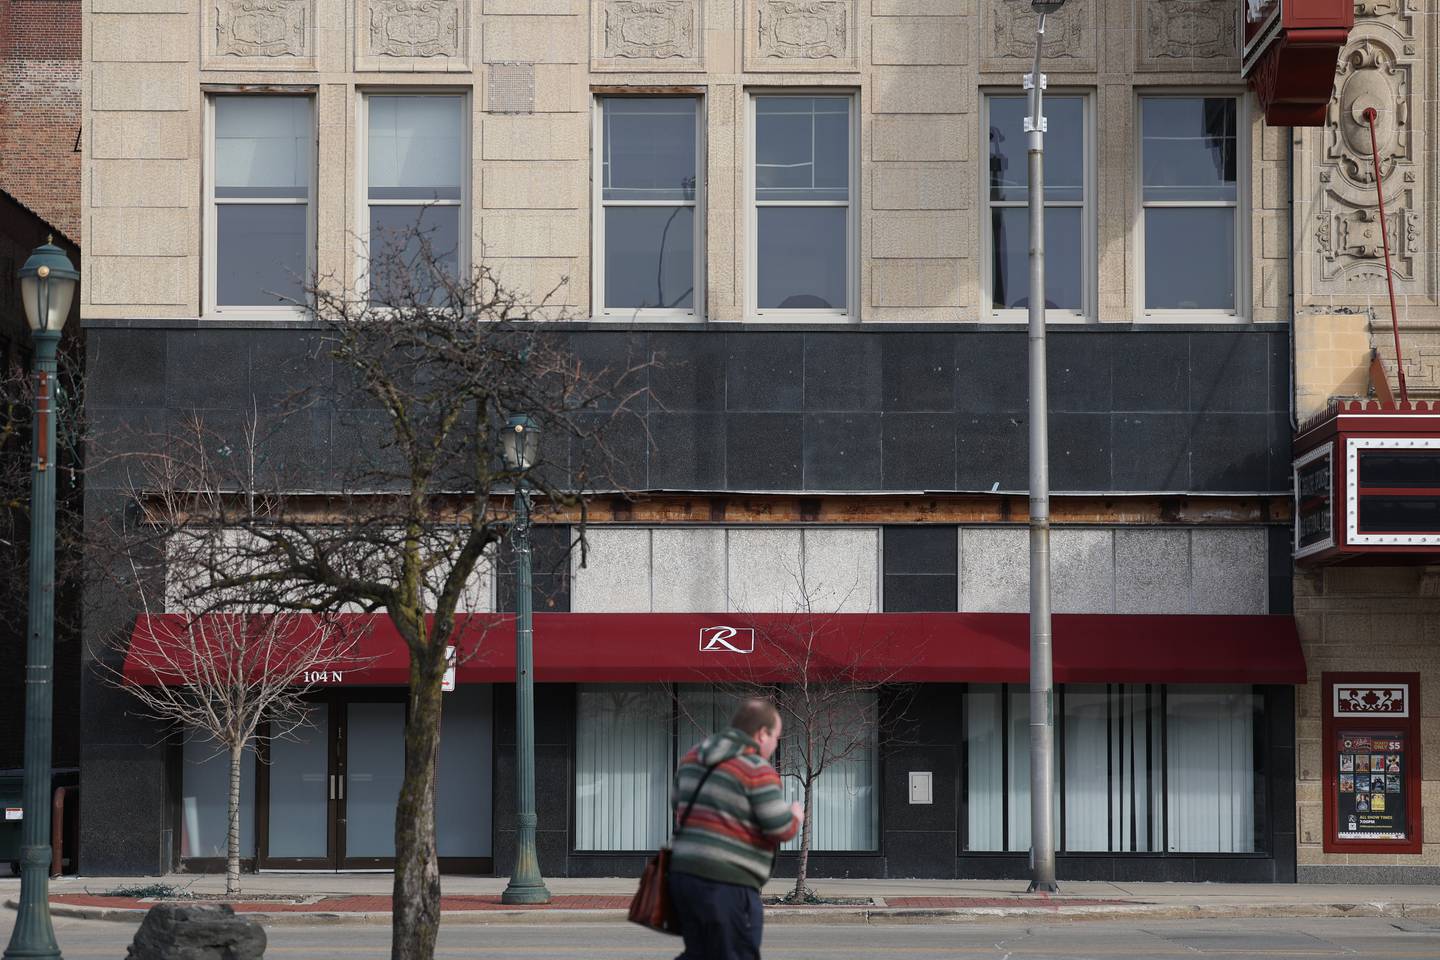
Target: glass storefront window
630 738
623 767
1135 763
205 791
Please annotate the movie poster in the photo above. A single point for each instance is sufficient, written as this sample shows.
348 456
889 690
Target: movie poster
1370 801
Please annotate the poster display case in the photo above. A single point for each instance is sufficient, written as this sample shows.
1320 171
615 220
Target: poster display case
1371 744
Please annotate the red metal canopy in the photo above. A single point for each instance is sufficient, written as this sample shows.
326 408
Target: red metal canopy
898 647
1290 53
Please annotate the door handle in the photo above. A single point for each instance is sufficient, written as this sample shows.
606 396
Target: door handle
332 786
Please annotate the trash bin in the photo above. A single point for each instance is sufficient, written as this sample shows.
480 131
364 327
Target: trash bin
11 805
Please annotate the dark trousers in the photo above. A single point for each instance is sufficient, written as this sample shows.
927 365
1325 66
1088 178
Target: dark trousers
719 921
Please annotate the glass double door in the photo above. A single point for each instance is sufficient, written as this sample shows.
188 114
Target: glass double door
332 788
326 793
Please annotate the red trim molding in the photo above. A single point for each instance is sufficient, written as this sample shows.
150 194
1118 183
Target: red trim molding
1360 709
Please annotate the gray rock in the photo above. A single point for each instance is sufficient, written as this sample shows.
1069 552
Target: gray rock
184 931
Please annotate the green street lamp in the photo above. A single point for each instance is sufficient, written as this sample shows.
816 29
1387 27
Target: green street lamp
47 287
520 446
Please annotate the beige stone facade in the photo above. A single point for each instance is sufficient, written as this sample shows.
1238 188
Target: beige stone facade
918 67
1380 618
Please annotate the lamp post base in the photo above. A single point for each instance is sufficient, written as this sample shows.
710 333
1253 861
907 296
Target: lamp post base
526 893
1043 886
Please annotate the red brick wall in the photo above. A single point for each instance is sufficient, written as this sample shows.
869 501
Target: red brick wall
40 108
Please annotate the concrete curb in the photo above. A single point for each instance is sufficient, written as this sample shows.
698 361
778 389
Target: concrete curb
843 915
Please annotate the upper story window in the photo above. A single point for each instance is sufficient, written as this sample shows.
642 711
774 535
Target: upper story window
648 222
1069 245
261 180
803 219
416 160
1190 177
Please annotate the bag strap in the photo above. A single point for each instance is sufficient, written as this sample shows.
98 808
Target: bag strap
693 797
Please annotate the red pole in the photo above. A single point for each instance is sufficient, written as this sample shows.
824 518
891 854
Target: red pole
1369 116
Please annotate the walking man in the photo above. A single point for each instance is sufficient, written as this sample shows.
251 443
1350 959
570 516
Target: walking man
731 816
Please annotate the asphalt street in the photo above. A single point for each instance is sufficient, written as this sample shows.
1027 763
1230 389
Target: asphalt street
1373 939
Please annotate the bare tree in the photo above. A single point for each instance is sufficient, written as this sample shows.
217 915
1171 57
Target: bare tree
429 367
839 699
234 678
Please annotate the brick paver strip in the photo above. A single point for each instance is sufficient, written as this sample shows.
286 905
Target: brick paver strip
961 903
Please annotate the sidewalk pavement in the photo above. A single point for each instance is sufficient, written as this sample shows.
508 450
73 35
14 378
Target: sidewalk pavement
365 898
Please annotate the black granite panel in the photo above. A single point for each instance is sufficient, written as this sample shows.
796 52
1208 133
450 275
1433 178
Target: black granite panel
204 368
1152 451
832 864
617 458
942 762
992 451
1281 572
1151 372
1078 369
934 715
290 367
1080 451
843 371
1229 451
919 451
126 368
762 451
765 371
991 372
921 853
920 593
842 451
918 371
616 357
1229 372
122 804
117 436
922 548
688 451
607 865
688 372
1280 388
551 547
1281 449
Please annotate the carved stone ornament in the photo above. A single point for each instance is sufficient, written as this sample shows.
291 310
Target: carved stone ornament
1368 77
1190 30
1350 247
416 28
263 28
1399 15
649 29
1012 30
805 29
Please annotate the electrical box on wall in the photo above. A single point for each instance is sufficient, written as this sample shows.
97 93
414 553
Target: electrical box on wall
1367 484
922 787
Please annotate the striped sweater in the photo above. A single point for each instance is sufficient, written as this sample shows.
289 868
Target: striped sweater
740 815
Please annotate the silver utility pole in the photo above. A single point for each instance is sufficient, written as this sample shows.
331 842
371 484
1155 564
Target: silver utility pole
1042 683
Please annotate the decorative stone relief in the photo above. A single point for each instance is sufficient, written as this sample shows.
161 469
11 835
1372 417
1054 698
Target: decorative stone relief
813 35
263 28
647 34
810 29
415 28
1342 246
1369 77
1009 33
1189 30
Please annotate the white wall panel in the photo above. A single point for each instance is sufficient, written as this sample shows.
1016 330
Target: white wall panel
764 570
616 575
688 569
842 569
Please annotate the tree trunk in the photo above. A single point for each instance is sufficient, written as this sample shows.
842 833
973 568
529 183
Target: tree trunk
802 866
232 826
416 899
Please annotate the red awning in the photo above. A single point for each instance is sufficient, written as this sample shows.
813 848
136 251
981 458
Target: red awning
899 647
